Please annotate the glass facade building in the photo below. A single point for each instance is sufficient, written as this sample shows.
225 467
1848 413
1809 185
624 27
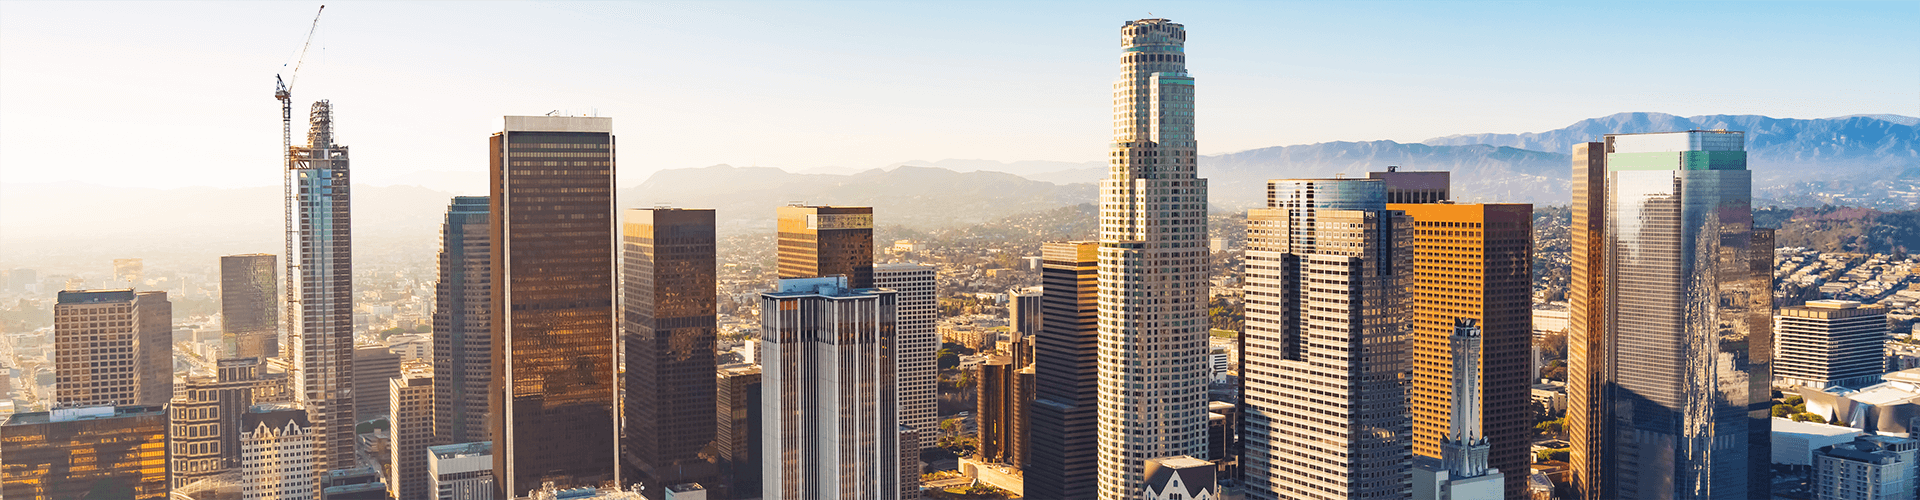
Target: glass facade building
820 241
1152 273
553 319
668 332
830 424
85 452
319 280
250 305
462 324
1060 457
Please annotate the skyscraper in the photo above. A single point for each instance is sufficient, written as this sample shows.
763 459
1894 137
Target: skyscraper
205 430
919 337
1687 283
108 346
462 324
1828 343
1589 344
1023 310
817 241
737 430
553 313
1474 261
85 452
250 305
1061 462
278 450
1153 281
373 366
410 431
999 410
830 427
320 285
1461 472
1431 186
668 276
1326 355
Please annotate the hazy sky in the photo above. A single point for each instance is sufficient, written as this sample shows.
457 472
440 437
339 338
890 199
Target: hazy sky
180 94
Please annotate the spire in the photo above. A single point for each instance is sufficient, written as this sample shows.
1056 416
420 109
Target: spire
1465 448
320 134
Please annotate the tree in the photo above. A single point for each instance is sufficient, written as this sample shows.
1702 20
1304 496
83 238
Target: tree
1796 401
1782 410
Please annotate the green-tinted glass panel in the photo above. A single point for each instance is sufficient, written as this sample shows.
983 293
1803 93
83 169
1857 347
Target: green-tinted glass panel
1715 160
1643 161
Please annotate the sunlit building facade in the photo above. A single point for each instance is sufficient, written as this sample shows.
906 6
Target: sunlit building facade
1061 455
917 312
830 426
319 280
250 304
463 323
112 347
85 452
819 241
668 331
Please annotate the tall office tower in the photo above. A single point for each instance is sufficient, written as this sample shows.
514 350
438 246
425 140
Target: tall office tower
128 271
373 365
668 328
1589 346
1686 284
1474 262
553 312
105 344
461 471
909 462
1153 280
1024 311
1461 472
1867 468
250 304
205 428
153 352
818 241
997 411
410 427
1828 343
462 331
1415 187
1326 355
1061 460
737 430
919 337
279 447
830 428
85 452
319 290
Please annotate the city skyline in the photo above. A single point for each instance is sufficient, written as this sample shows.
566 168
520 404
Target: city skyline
1338 70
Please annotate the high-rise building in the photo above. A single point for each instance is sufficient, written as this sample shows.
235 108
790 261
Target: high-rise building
1024 311
1462 472
1474 261
358 483
819 241
85 452
319 291
1061 458
668 330
1415 187
909 462
205 430
1153 267
1867 468
410 431
737 430
1589 344
462 327
830 428
1000 412
1828 343
553 305
112 347
1325 356
250 304
279 448
462 471
917 329
373 366
1686 319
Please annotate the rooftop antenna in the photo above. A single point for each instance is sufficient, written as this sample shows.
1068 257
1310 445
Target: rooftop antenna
553 113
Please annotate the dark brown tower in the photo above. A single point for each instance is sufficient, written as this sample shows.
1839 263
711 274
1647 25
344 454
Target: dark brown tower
817 241
553 311
250 304
668 276
1060 462
1589 366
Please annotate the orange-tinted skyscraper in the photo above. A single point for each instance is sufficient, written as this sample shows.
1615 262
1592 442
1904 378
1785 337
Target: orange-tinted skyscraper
85 452
1589 360
1473 262
553 313
668 333
817 241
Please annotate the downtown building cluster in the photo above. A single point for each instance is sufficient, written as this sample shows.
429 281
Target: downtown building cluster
1385 354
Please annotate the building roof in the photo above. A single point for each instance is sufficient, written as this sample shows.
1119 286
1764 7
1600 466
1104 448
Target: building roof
475 449
83 413
1785 426
1193 472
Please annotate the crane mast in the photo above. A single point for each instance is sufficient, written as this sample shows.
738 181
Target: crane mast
283 90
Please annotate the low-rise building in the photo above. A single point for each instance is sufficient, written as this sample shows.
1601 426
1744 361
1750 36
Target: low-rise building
1866 468
461 471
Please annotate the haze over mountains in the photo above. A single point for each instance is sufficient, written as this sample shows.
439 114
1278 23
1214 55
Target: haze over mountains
1871 161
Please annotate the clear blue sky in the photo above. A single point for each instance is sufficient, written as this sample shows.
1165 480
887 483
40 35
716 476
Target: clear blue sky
179 94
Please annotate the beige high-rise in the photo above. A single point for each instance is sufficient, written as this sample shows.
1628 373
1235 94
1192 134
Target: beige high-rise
1153 280
113 347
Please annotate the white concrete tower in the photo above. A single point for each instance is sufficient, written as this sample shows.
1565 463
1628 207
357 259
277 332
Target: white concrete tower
1153 236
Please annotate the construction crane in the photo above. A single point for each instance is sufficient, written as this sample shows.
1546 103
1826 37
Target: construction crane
284 91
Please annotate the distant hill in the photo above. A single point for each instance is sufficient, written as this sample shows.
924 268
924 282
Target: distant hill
1237 181
921 197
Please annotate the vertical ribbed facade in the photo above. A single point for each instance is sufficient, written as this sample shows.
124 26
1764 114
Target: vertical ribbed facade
830 426
1325 362
250 305
462 324
916 324
1061 458
737 430
1690 302
1473 261
1153 282
1589 346
1829 343
410 431
552 229
319 291
668 328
